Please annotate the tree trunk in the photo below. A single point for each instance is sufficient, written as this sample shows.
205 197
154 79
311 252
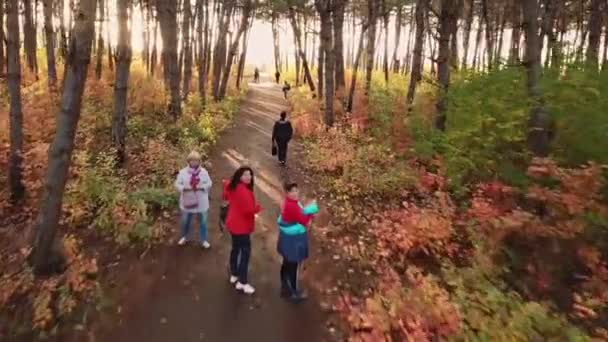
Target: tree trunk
598 9
515 33
454 63
467 33
446 24
15 168
60 151
501 34
320 63
50 42
110 53
187 47
385 17
297 35
203 71
63 45
433 43
2 56
146 34
489 34
398 28
29 36
371 43
353 80
605 58
416 73
324 8
200 56
239 76
408 56
245 16
338 16
539 133
121 84
219 53
167 13
100 42
154 53
478 37
275 41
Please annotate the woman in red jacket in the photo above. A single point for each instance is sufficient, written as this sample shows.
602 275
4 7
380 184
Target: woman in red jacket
240 222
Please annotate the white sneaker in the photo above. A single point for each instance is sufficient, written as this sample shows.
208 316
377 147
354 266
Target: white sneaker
182 241
246 288
233 279
206 244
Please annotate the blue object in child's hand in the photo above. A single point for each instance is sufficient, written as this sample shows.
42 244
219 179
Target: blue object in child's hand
311 209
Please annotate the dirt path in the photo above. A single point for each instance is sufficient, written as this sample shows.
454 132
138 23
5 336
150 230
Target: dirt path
183 294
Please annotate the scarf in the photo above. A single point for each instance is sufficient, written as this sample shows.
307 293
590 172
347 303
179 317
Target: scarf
194 178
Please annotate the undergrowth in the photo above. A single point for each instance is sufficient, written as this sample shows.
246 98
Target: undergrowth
105 205
468 236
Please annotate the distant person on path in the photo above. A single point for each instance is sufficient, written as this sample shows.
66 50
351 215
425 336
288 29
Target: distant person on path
282 132
193 183
286 89
256 76
292 244
240 222
277 76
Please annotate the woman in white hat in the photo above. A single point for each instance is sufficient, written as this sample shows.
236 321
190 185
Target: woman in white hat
193 183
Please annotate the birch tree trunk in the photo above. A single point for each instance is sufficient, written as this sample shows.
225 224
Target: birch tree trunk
43 259
416 73
15 167
167 14
50 42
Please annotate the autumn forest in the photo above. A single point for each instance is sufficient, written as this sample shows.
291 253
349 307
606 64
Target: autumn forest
458 150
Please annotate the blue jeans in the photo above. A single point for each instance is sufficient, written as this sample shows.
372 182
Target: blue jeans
202 222
239 257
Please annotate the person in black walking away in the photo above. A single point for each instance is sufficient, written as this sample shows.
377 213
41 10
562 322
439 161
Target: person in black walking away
282 132
256 75
286 88
277 76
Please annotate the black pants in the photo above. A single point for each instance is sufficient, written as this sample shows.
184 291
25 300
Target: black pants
239 256
289 276
282 150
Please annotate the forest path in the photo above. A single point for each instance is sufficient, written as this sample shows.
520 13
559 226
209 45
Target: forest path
183 294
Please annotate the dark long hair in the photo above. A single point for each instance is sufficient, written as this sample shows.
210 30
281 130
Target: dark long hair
236 178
